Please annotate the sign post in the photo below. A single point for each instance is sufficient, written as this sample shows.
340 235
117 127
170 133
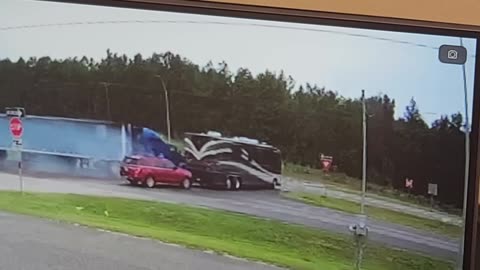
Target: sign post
433 192
16 129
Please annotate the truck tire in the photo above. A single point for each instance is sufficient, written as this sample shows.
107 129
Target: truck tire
228 183
274 184
237 183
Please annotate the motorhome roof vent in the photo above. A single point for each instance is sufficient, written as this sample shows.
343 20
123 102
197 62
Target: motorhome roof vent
248 140
214 134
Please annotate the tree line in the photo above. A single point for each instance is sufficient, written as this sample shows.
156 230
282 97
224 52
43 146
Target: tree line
303 121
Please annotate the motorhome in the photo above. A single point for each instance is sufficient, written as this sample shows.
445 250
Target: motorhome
232 162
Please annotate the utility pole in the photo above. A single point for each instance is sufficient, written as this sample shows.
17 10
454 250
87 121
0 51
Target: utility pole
467 164
360 228
107 98
364 159
167 106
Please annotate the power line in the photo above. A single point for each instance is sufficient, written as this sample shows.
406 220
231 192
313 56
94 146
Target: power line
397 41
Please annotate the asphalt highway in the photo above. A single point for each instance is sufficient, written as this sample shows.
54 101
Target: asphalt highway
29 243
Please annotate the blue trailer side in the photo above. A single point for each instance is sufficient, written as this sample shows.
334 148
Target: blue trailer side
82 142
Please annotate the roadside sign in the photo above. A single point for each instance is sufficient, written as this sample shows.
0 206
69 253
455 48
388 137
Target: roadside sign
408 183
15 112
14 155
16 127
326 162
433 189
17 144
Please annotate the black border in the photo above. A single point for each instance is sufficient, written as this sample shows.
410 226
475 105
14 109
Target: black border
471 234
255 12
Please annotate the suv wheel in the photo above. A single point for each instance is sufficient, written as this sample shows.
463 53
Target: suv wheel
150 182
186 183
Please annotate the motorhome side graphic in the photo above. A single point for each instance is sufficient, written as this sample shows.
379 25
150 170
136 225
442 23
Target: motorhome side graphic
238 158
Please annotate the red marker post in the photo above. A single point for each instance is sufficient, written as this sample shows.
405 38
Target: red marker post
408 184
326 162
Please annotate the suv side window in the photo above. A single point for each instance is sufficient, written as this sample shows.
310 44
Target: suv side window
146 162
165 163
142 162
169 164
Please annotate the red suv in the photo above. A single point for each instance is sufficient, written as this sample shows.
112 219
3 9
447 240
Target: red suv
150 171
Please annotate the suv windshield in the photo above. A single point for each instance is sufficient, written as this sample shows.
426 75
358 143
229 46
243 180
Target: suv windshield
130 161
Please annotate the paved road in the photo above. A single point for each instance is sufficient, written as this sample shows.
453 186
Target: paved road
260 203
34 244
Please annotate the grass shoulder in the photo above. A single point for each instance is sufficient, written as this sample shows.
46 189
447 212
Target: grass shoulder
380 214
344 183
292 246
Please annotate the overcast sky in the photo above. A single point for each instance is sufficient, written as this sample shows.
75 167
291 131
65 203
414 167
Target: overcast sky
327 56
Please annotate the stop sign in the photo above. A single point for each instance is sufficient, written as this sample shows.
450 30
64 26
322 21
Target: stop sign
16 127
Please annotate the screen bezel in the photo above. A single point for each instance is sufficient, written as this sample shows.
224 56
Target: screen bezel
351 21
